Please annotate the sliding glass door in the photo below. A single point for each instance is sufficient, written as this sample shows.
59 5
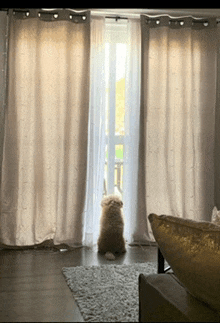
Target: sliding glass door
115 68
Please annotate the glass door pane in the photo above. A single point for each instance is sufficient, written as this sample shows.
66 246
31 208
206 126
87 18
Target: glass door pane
115 64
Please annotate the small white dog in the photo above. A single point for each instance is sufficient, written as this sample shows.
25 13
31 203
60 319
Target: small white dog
111 240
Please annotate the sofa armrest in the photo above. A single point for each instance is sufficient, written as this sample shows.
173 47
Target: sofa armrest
163 299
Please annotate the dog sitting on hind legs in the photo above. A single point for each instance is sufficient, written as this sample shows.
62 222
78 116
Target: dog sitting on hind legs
111 240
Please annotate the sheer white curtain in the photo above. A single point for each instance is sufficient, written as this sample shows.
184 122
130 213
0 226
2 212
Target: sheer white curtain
130 34
178 115
132 122
46 125
96 144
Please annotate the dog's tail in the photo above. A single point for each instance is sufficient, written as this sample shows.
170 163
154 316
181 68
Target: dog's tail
109 256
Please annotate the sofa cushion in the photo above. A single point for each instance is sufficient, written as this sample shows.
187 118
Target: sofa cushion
192 249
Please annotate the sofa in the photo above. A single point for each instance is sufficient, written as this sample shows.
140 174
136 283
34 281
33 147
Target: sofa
162 298
191 292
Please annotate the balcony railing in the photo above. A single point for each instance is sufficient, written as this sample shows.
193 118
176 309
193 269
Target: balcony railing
118 177
113 165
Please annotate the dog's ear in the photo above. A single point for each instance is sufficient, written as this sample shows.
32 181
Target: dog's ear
106 202
103 202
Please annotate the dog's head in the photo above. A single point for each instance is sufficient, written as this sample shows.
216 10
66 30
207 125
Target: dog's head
112 201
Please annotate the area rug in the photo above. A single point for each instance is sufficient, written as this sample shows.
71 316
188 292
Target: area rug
107 293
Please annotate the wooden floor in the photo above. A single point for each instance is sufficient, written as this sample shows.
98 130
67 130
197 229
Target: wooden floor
33 289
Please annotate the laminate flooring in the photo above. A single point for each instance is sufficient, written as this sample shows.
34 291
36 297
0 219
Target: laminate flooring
33 289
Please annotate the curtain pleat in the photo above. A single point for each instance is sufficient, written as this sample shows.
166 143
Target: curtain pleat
3 77
45 145
178 102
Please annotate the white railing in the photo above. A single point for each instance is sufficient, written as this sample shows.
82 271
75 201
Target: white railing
117 177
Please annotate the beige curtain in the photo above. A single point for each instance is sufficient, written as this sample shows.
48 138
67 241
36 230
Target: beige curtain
3 71
45 145
179 69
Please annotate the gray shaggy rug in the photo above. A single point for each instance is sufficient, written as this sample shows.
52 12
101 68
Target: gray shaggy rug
107 293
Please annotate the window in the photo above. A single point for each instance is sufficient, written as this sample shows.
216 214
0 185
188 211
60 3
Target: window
115 66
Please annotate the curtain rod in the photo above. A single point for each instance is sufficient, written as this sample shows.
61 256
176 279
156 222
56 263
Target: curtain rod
116 17
77 10
126 15
113 16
